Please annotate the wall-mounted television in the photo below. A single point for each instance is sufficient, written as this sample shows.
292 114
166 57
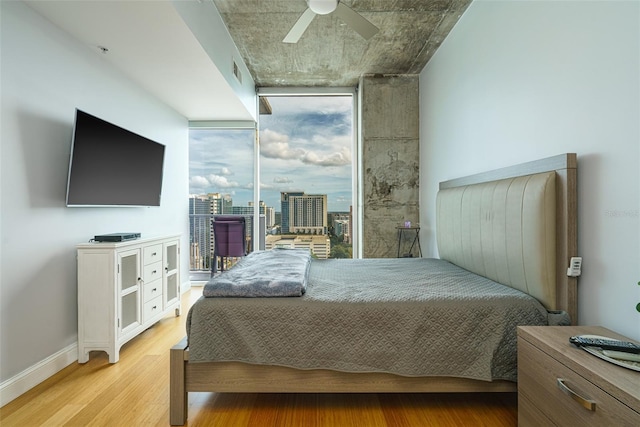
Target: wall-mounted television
111 166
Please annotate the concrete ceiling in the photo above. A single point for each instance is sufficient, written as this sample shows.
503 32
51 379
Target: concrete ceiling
330 53
149 42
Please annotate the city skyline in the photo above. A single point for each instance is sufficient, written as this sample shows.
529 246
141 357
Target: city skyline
304 223
262 203
306 146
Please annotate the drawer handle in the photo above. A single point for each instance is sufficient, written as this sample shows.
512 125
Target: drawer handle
586 403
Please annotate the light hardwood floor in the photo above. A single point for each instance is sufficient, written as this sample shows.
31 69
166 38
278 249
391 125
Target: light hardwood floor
135 392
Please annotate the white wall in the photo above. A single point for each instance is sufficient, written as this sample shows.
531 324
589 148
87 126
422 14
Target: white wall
46 74
206 24
517 81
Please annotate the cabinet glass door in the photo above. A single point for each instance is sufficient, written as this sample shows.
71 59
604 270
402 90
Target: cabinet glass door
129 273
129 289
129 306
172 287
172 257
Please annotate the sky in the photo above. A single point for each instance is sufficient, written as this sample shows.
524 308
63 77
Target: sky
305 145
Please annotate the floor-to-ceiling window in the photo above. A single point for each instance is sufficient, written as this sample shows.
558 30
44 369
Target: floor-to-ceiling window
305 192
306 172
221 177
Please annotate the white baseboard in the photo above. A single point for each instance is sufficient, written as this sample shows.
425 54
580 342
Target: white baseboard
184 287
31 377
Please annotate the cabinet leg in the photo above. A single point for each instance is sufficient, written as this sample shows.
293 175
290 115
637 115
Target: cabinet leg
83 356
114 356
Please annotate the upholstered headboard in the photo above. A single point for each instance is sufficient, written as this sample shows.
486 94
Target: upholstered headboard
503 230
516 226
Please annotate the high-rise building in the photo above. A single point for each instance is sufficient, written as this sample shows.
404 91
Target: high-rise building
341 223
268 212
202 207
308 214
278 220
284 210
199 231
220 203
341 228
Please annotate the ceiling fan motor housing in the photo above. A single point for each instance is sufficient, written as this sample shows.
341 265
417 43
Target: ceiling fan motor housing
322 7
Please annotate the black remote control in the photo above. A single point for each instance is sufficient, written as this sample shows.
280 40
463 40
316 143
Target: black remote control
606 344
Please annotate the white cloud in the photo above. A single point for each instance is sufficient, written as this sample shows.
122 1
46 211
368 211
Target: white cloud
221 181
264 186
225 171
310 104
216 181
275 145
198 182
282 180
342 158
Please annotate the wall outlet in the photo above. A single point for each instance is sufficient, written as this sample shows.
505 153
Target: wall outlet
575 267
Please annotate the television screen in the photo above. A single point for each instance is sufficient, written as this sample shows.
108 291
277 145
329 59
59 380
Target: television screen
111 166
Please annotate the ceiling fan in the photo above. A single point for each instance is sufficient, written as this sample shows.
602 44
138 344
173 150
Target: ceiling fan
324 7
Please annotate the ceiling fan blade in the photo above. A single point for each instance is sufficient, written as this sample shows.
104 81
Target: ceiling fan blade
300 27
356 21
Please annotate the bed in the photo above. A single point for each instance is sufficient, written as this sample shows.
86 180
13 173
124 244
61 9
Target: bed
512 230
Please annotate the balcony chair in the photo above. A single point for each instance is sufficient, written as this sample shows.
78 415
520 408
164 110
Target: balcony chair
229 234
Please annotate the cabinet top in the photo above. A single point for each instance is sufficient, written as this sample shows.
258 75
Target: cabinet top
132 242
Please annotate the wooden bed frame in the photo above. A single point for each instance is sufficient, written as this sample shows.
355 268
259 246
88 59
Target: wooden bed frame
239 377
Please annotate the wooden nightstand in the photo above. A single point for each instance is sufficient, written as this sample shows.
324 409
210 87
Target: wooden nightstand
560 384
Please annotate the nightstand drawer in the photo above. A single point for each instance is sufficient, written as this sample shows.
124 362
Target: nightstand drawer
538 376
529 415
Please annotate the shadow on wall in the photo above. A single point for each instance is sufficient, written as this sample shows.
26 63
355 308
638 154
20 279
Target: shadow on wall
39 313
46 147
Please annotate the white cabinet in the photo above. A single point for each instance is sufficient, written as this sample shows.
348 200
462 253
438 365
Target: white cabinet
123 289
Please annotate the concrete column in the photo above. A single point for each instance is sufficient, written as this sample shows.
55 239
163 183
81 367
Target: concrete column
390 138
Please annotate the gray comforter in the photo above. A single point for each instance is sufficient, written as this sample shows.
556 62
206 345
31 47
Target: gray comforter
411 317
